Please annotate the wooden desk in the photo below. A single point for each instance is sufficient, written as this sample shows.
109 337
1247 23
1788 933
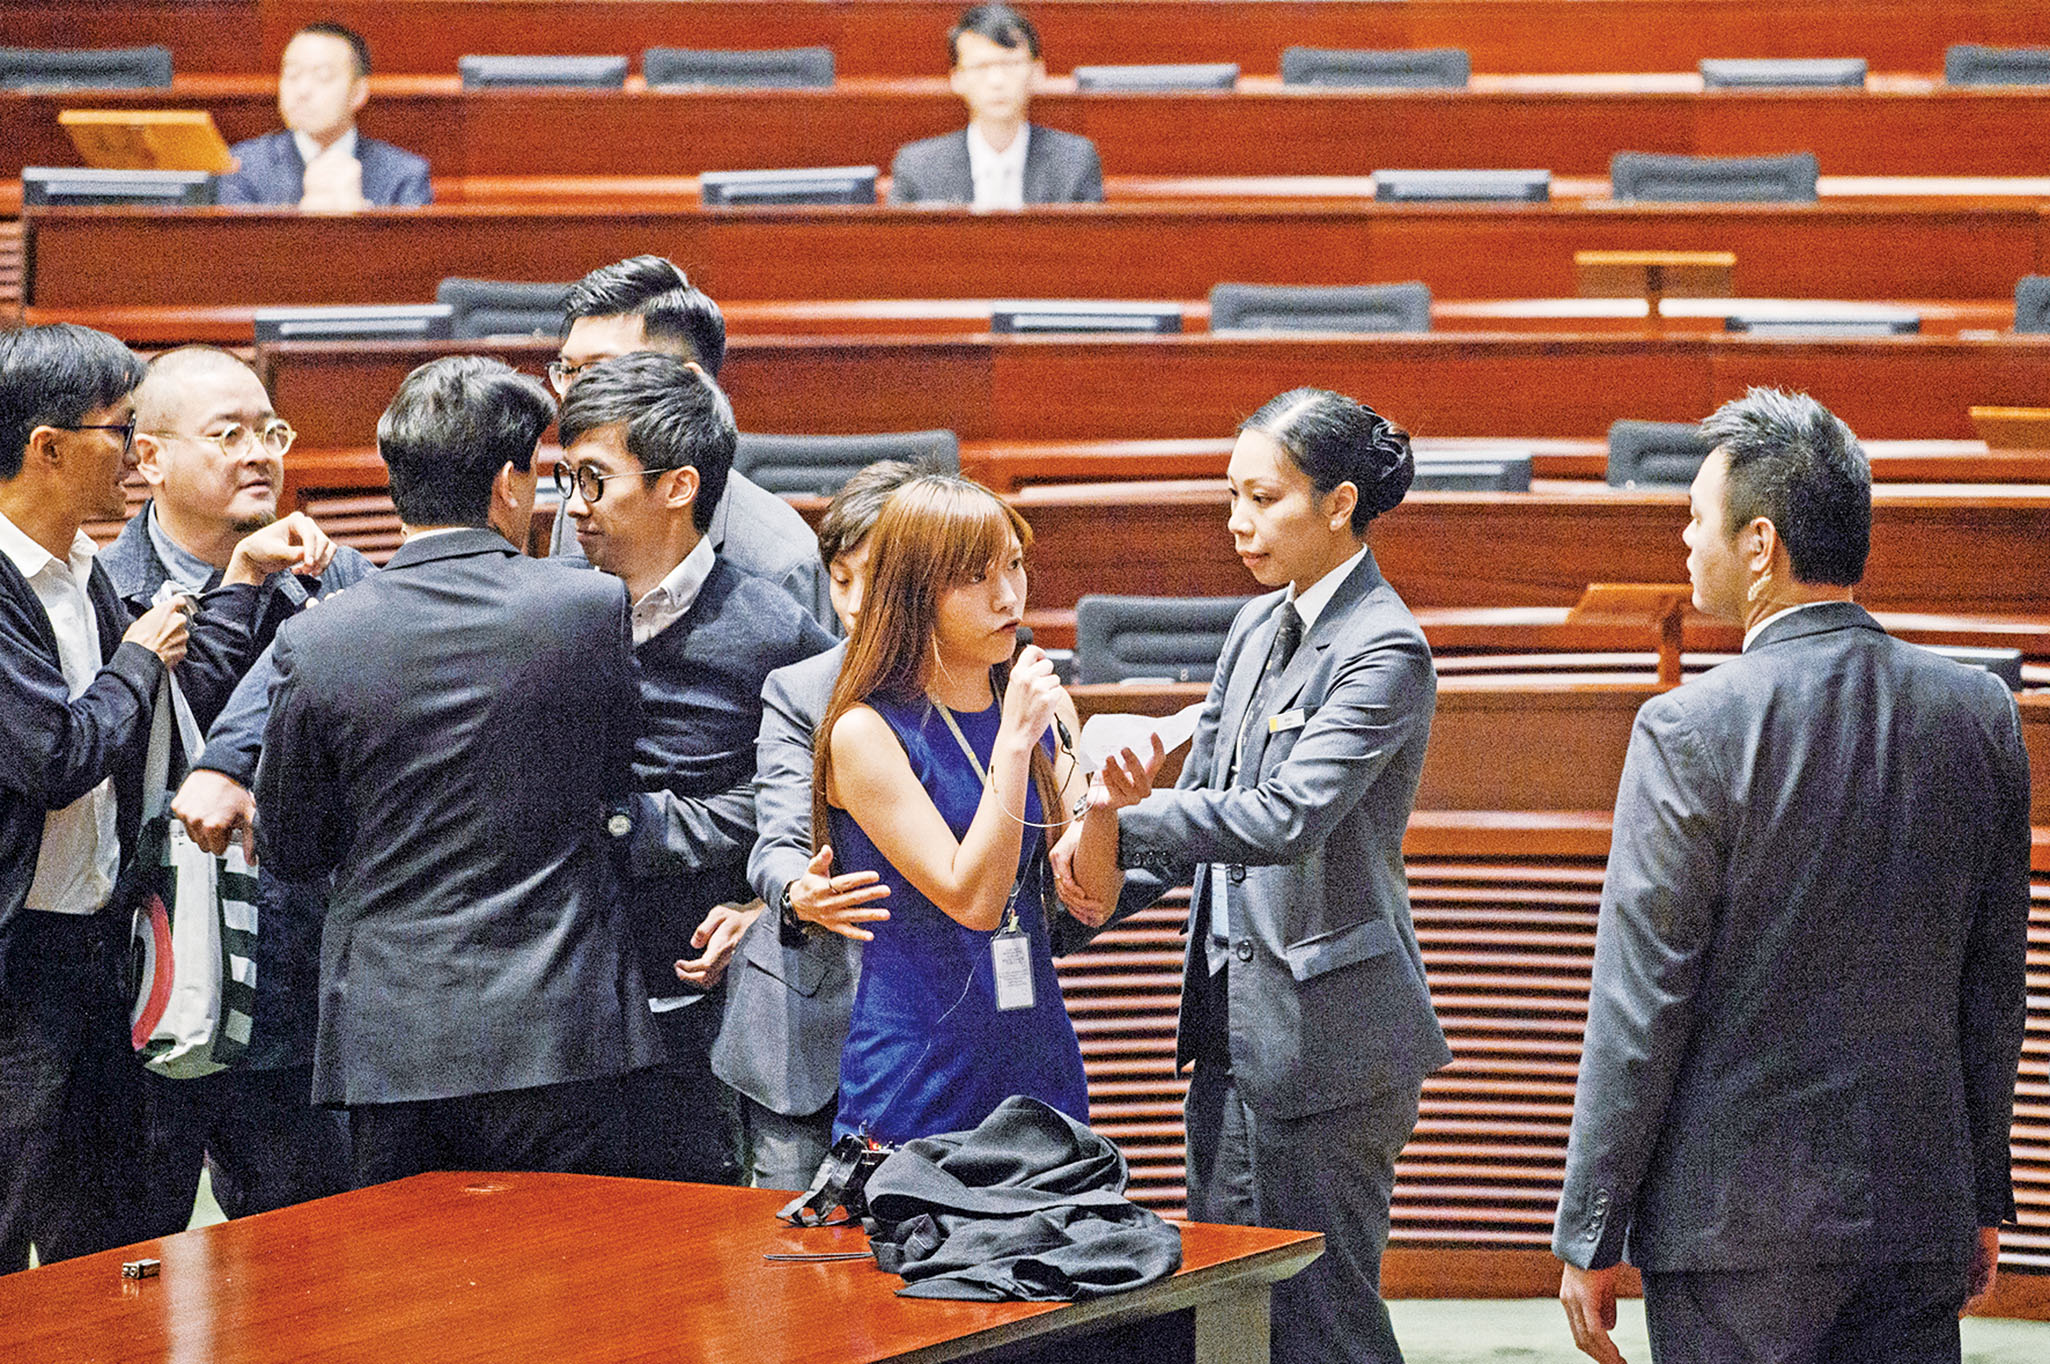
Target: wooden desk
498 1267
1047 389
907 37
1848 248
1897 126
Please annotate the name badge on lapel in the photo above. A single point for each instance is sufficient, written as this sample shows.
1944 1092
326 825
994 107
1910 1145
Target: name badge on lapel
1287 720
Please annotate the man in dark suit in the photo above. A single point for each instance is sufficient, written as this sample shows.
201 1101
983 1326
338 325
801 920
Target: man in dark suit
648 445
1799 1072
446 738
79 676
647 303
999 160
211 451
318 160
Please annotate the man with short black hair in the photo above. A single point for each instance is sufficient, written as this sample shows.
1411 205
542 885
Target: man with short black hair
319 161
648 444
79 678
645 303
999 161
1798 1079
446 739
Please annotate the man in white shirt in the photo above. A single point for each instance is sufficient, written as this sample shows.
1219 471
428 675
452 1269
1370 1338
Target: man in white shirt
78 684
1000 161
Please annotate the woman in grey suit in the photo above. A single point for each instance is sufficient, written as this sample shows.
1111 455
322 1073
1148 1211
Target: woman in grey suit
1304 1006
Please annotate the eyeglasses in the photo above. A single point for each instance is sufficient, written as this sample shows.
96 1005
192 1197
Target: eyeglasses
239 442
586 482
127 430
561 374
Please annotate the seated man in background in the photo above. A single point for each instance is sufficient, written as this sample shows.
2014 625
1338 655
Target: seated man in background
646 303
1000 161
647 447
319 161
211 450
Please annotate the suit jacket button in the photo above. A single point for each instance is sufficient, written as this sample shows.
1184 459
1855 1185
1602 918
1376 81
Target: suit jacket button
1245 949
620 825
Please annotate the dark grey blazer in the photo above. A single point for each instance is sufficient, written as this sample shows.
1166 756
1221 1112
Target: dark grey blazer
1060 168
1328 1004
1808 992
787 1005
271 172
446 738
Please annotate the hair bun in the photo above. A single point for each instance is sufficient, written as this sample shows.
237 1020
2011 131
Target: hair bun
1391 451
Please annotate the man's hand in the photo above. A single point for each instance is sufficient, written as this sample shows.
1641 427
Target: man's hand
1985 1268
840 903
716 937
290 544
333 183
216 809
1080 903
162 630
1589 1297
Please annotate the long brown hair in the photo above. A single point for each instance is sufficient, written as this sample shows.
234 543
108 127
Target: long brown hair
937 532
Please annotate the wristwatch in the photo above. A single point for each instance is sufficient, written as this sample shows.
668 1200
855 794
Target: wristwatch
791 930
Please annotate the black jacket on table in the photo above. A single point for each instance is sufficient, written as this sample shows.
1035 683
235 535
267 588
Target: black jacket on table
54 748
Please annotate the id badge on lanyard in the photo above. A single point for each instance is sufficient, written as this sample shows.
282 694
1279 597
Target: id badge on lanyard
1010 951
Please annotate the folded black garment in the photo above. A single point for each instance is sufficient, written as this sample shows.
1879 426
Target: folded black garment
1029 1206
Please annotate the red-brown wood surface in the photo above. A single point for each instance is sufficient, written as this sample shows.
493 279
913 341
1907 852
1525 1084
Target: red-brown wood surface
1900 126
500 1267
908 36
1868 249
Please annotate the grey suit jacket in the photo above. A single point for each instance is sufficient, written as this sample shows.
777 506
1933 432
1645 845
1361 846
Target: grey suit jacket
787 1003
1060 168
445 738
1328 1004
270 171
756 532
1808 991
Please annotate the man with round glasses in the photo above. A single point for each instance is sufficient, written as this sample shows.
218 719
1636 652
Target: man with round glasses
211 451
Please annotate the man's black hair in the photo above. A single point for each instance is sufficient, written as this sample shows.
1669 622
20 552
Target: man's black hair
1000 24
675 418
54 376
358 49
1794 462
454 423
656 290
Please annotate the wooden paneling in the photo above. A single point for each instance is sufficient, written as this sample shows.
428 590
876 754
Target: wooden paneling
1892 249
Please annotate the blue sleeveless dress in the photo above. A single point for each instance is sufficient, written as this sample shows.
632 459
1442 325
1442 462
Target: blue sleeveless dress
928 1051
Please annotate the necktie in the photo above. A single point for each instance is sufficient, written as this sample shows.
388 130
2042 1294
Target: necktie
1288 634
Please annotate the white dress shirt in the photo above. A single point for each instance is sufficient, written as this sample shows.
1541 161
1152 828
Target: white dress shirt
999 175
1752 633
81 850
308 148
667 600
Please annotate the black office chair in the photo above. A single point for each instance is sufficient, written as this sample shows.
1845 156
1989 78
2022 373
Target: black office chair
782 68
820 464
104 68
1778 73
506 73
499 307
1655 454
1321 308
1423 68
2005 664
1161 76
1973 64
1176 638
2032 304
1658 177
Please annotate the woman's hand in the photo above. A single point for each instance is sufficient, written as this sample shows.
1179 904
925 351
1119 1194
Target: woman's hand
1031 698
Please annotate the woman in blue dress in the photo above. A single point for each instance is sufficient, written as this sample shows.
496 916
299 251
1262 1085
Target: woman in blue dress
940 775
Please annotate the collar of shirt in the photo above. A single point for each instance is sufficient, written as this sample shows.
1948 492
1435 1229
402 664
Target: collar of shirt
1318 595
669 599
999 175
1752 633
308 148
31 558
186 571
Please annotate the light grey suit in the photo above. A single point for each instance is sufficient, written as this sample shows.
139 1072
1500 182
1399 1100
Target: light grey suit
1808 981
787 1001
1311 1046
1060 168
